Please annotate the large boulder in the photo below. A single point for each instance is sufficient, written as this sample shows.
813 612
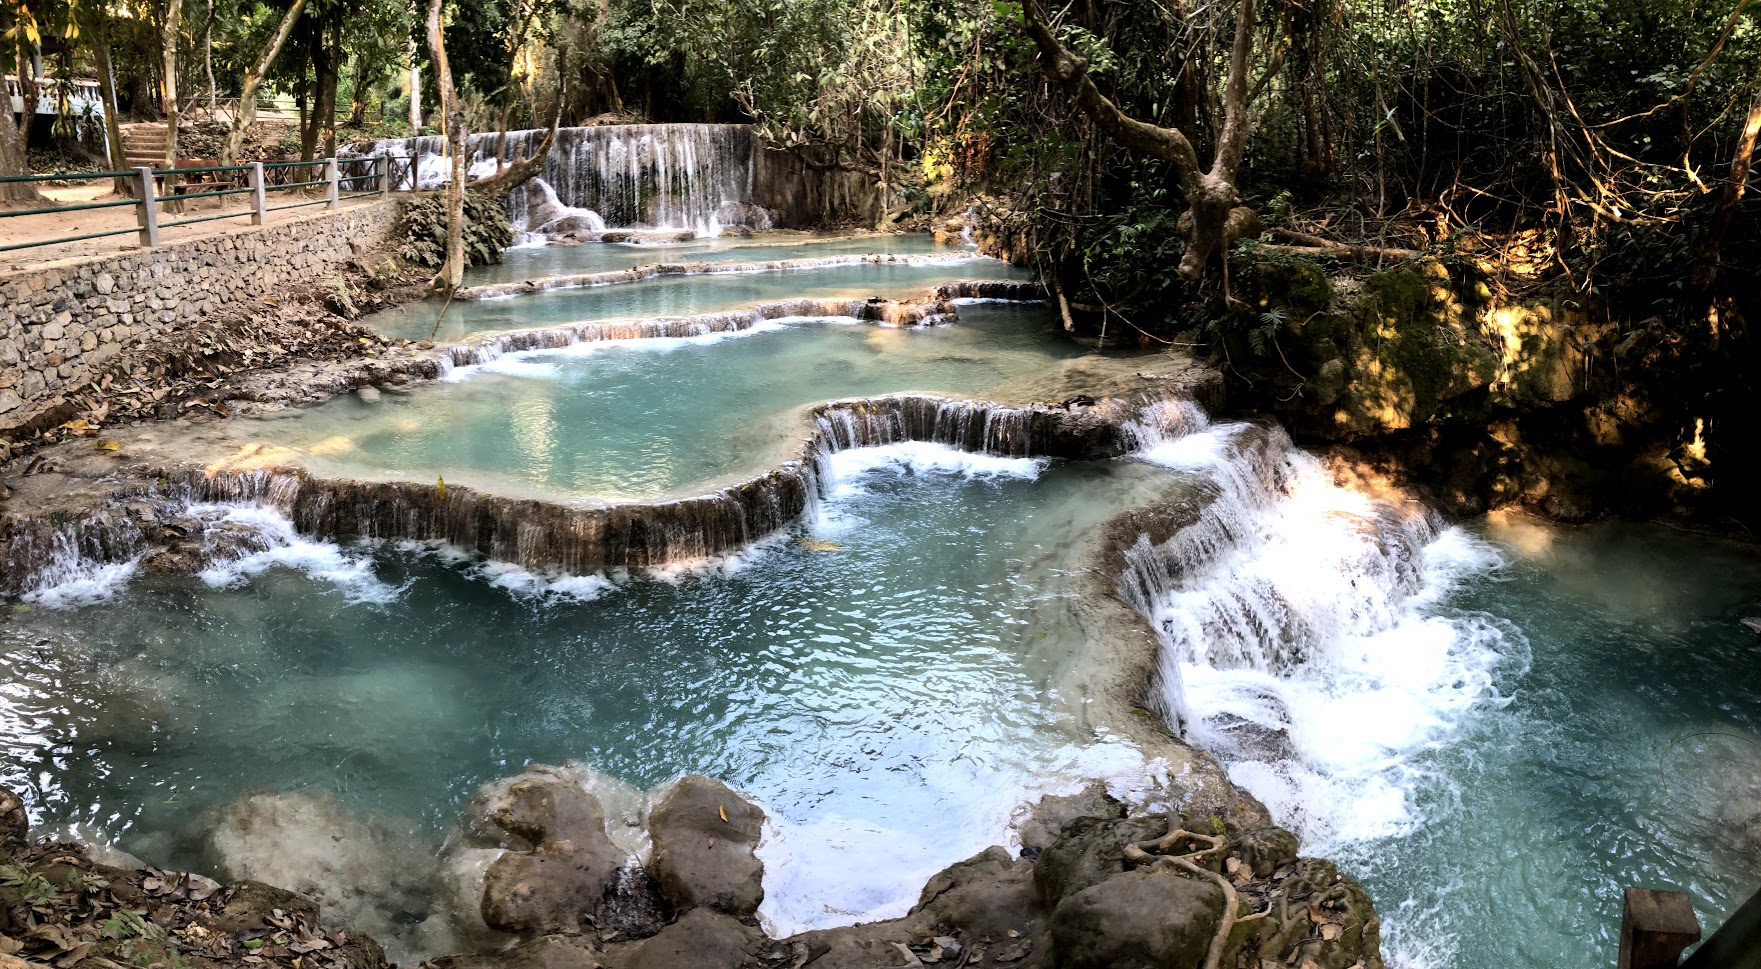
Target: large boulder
369 872
700 939
567 866
1090 851
705 839
988 895
1147 919
1049 816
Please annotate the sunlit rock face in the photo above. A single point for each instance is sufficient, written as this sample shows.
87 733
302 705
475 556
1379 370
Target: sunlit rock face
1484 396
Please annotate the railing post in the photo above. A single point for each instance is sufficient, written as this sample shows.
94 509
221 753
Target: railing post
1655 927
384 175
330 186
259 206
147 207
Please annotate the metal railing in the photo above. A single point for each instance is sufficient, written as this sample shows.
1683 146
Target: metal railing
338 179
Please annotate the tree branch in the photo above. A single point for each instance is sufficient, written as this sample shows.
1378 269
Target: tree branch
1070 70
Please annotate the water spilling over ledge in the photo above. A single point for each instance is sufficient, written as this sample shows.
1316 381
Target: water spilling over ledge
636 274
587 537
685 176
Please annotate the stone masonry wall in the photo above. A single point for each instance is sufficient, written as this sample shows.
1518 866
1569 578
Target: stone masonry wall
62 321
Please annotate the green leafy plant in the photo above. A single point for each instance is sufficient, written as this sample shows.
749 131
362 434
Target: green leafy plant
31 886
487 230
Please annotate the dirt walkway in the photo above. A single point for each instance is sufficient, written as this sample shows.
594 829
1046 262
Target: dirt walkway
22 229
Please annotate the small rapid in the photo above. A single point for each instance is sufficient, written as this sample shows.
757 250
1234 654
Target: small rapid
1299 644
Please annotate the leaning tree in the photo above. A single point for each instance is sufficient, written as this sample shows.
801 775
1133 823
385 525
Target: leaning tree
1214 218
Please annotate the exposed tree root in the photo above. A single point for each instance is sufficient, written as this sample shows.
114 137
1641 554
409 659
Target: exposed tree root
1152 851
1313 245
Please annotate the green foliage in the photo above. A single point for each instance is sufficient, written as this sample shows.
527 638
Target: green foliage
487 230
31 886
138 941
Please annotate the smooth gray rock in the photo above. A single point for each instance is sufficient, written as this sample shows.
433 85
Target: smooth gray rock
705 838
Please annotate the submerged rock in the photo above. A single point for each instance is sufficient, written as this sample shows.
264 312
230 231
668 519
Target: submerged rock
370 873
705 847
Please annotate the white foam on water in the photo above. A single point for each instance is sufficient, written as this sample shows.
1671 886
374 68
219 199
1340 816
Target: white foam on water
71 580
280 545
534 363
851 466
838 868
1302 640
543 587
516 365
667 344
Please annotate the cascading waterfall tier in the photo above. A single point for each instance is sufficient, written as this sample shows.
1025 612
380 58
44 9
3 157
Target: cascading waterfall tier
591 537
1271 565
680 176
1004 289
930 312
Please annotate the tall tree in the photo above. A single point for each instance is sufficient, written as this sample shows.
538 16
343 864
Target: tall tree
168 37
247 95
1213 219
20 25
98 30
452 269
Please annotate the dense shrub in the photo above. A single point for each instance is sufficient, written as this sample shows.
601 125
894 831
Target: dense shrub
487 230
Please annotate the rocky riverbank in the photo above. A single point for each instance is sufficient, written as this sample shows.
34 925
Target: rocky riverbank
539 882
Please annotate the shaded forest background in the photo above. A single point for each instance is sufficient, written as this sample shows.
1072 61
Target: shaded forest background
1594 148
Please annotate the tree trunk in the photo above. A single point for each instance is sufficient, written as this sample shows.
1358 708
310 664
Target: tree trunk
168 78
415 98
12 155
12 161
358 99
1706 263
313 121
208 63
1211 223
522 170
452 269
247 95
327 93
114 152
27 84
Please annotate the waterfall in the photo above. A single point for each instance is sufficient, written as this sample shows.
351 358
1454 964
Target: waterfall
1299 641
676 176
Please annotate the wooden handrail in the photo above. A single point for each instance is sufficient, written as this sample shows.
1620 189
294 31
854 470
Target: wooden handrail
1656 926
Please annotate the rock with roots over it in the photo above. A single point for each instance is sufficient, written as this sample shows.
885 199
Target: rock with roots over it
1266 850
705 840
1089 851
561 879
1150 919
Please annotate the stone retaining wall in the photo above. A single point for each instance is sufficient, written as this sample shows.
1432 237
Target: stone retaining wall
62 321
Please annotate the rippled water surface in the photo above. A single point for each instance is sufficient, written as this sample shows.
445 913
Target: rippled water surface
906 671
1625 751
680 296
648 417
